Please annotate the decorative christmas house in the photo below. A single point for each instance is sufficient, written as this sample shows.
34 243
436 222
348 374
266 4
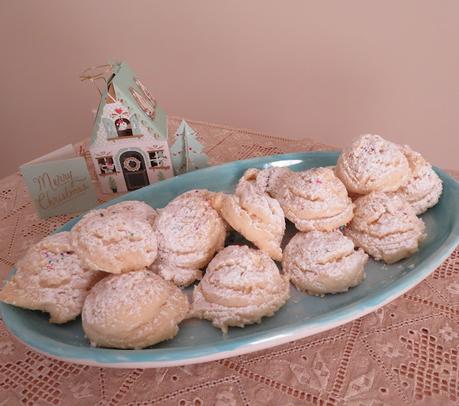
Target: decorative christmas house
128 144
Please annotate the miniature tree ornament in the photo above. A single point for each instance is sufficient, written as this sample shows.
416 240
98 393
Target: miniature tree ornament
187 152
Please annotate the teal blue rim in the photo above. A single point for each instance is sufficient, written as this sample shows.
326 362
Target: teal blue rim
237 346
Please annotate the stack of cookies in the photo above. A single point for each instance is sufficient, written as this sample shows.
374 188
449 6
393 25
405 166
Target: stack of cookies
124 268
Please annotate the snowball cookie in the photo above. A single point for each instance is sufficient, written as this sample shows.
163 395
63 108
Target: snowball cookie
134 208
255 215
241 285
133 310
424 187
315 200
386 227
189 232
114 242
372 163
51 278
323 262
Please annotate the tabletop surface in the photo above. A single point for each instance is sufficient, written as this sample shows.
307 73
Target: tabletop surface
405 353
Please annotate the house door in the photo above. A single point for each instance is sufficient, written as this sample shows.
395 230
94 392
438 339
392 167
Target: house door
134 170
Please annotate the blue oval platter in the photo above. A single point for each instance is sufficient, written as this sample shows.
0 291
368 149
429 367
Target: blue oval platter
197 340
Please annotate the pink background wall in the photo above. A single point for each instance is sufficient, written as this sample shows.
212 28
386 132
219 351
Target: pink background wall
329 70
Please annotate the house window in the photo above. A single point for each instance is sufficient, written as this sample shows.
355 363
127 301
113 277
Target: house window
106 165
157 158
123 127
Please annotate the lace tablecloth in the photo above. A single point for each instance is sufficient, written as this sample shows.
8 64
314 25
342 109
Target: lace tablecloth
406 353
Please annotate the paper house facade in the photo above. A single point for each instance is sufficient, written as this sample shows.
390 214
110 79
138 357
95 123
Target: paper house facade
128 144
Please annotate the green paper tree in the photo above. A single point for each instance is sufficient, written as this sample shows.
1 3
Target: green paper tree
187 152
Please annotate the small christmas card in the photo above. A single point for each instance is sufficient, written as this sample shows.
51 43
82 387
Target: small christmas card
59 183
187 152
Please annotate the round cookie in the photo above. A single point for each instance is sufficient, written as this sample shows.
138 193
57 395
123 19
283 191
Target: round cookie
255 215
372 163
114 242
51 278
386 227
241 285
134 208
315 200
189 232
424 187
133 310
323 262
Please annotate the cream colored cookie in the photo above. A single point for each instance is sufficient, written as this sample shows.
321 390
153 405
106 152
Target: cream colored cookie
203 194
424 187
315 200
133 310
51 278
134 208
386 227
114 242
271 180
189 232
323 262
255 215
241 285
372 163
211 198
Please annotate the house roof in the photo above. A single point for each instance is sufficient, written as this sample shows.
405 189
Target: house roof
122 81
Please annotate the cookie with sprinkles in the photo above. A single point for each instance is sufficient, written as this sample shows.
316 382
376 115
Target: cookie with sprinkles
271 180
133 310
323 262
385 226
424 187
51 278
254 214
134 208
372 164
240 287
190 231
114 242
315 200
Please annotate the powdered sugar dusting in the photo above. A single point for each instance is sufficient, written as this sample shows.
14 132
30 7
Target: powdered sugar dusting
134 208
323 262
124 310
241 285
127 295
386 227
189 231
424 187
270 180
114 242
255 215
372 163
315 200
51 278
